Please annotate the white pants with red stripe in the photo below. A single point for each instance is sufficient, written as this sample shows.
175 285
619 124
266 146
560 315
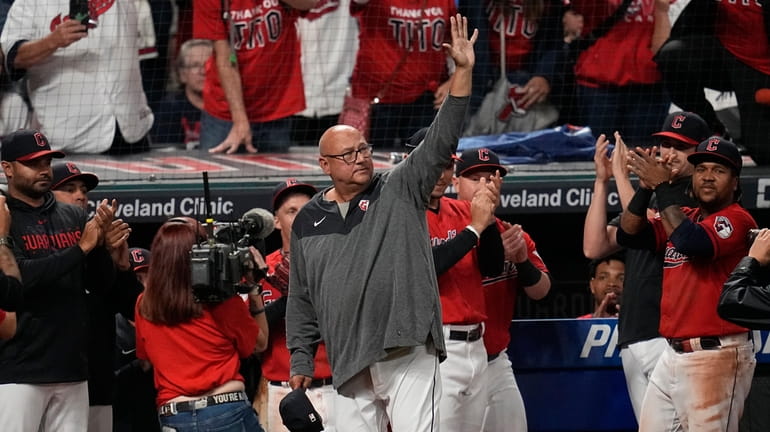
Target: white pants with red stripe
44 407
702 390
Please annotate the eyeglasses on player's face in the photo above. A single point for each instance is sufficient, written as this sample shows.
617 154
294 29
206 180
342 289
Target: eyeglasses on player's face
350 157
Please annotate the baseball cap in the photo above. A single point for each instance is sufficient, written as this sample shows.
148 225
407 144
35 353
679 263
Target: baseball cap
64 172
139 258
283 188
475 159
298 413
26 144
685 126
719 150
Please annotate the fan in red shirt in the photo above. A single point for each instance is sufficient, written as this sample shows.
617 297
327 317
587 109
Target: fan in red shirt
722 45
400 61
195 348
618 84
254 79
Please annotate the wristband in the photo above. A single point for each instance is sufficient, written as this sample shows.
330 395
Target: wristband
668 196
473 230
255 312
527 273
638 204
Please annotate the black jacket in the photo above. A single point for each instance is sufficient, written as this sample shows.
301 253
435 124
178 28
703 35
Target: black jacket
50 341
745 298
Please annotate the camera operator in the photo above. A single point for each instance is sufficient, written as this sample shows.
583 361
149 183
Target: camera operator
204 391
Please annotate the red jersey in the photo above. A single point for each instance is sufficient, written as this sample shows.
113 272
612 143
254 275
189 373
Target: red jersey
462 299
622 56
268 50
387 29
692 285
500 293
194 357
518 34
2 315
275 359
740 28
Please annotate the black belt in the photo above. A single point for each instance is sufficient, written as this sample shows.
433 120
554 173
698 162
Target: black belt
491 357
685 345
313 384
467 336
173 408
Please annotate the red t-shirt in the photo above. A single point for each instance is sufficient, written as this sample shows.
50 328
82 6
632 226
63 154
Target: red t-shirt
384 26
740 28
460 291
2 315
691 286
623 55
275 359
500 293
192 358
268 50
518 35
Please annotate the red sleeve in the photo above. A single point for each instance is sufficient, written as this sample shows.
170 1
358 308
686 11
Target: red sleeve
661 238
233 318
207 20
2 315
728 230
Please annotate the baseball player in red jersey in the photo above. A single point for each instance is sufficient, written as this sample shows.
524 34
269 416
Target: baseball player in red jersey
463 309
524 269
288 198
703 376
254 79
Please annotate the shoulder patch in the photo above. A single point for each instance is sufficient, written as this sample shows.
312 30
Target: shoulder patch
723 227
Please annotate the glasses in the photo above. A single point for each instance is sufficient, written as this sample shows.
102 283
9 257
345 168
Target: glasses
350 157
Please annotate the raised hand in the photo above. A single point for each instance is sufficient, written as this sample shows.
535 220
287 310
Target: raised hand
620 158
651 171
461 48
602 163
513 243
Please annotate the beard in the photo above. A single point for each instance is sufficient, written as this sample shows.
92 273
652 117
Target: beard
33 190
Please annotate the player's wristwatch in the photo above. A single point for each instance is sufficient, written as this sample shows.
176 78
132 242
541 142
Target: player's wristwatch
7 242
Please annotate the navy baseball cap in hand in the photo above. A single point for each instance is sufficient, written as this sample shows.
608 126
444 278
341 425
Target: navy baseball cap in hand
25 145
298 413
719 150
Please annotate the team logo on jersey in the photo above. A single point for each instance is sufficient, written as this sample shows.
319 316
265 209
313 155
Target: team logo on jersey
322 8
723 227
673 258
363 205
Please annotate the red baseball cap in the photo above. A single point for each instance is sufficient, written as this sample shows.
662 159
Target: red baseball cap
283 188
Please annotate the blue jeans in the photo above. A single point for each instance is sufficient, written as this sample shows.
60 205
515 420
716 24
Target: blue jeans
273 136
228 417
636 111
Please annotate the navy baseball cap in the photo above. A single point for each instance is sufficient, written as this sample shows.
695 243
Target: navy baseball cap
476 159
686 127
298 413
139 258
719 150
25 145
64 172
283 189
